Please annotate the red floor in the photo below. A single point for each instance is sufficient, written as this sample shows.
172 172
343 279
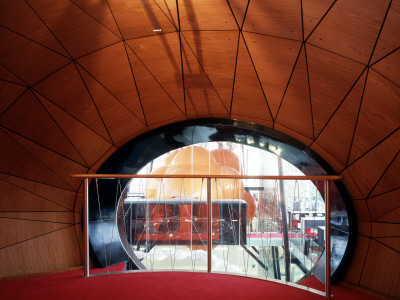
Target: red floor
158 285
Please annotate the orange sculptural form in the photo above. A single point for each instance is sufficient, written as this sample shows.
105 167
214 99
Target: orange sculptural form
197 160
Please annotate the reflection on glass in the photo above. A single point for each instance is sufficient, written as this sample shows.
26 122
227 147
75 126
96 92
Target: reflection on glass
165 220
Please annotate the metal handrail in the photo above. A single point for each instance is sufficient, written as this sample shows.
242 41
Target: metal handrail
326 178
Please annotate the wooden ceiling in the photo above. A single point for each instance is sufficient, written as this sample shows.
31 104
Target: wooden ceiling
79 78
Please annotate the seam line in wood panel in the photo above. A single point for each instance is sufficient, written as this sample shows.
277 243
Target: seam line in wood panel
384 172
39 182
109 92
42 162
319 22
63 132
365 260
234 17
97 21
387 246
48 28
234 74
180 50
115 20
333 52
40 145
309 92
94 103
33 41
373 147
379 33
385 77
288 83
15 83
205 73
13 73
258 78
97 50
72 116
273 36
136 86
387 192
51 74
100 158
12 103
385 56
170 17
340 104
20 242
154 77
302 20
357 118
34 220
245 15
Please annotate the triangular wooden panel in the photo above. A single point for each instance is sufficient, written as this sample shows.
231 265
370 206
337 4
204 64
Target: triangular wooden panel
390 67
331 78
58 16
60 165
351 187
161 56
390 180
55 251
248 97
55 198
295 110
216 52
383 204
158 106
275 17
14 198
136 19
24 164
200 94
351 28
28 60
391 217
392 242
354 273
52 217
337 135
239 9
169 9
19 17
385 229
380 273
119 121
274 59
99 10
206 15
8 76
368 169
377 119
110 66
38 126
9 92
65 85
15 231
389 38
89 144
313 11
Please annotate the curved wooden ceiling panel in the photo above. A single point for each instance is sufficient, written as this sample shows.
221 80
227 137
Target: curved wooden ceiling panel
79 78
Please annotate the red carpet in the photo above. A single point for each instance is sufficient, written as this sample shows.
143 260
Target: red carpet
158 285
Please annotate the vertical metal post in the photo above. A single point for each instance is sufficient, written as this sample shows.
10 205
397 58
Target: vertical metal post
209 225
285 231
86 225
327 242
